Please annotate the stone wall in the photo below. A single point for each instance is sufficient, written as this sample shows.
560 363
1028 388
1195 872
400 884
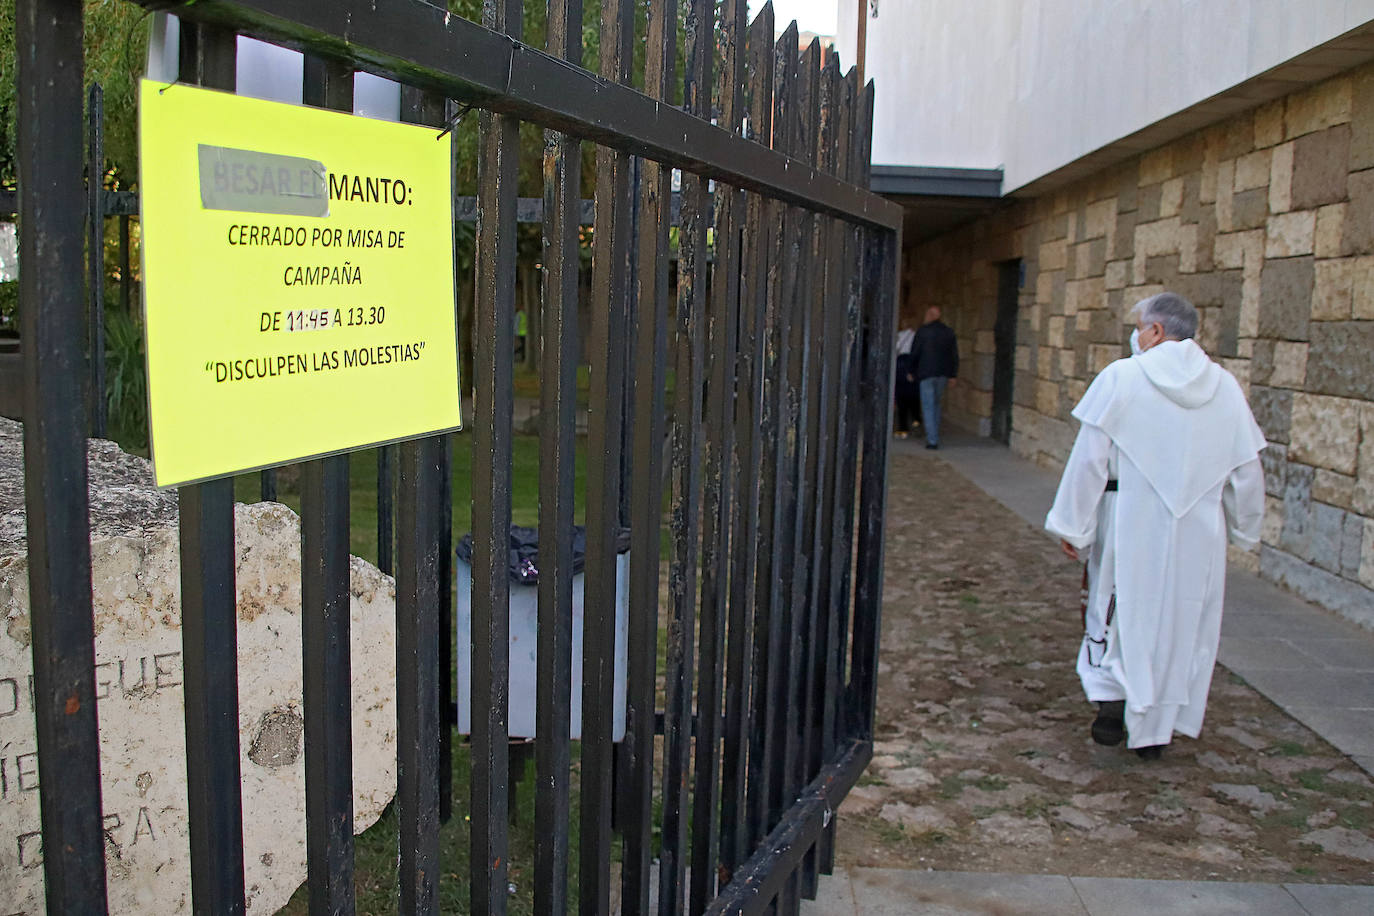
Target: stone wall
1266 222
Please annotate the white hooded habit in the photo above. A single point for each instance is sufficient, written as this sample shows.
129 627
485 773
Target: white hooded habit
1173 429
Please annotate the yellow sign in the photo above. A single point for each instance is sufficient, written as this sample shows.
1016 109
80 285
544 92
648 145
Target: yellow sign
298 282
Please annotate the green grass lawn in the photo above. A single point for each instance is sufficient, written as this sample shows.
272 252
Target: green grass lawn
375 852
363 489
376 849
527 382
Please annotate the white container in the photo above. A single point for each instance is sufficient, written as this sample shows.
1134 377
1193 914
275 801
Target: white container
524 627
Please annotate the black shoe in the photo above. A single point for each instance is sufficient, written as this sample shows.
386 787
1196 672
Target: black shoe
1109 728
1153 752
931 445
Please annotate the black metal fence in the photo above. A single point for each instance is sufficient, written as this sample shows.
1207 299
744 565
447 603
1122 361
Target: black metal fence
780 342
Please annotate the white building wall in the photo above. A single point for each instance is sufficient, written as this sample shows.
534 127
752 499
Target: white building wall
1032 85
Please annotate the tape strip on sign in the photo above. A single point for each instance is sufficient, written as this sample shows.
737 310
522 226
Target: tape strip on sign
246 180
297 282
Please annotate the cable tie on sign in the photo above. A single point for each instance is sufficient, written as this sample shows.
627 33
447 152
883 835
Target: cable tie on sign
453 121
510 77
510 65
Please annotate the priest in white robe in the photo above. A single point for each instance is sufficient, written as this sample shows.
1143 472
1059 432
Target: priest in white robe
1164 470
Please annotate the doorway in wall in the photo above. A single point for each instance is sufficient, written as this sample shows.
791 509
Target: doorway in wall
1004 336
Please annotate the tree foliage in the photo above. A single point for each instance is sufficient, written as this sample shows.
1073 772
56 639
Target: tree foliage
116 40
116 47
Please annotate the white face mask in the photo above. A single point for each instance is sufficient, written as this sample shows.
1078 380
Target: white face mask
1135 343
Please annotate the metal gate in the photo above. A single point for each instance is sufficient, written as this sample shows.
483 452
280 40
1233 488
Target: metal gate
780 343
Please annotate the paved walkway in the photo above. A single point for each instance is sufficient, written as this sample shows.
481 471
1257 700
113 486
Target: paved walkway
898 892
1317 667
1314 665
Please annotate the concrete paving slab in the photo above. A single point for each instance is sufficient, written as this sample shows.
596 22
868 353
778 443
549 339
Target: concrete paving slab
1263 653
1333 900
1019 485
1130 896
1351 731
1349 689
898 892
1365 763
1242 619
1348 653
834 897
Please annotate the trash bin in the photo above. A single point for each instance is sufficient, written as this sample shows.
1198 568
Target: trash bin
524 628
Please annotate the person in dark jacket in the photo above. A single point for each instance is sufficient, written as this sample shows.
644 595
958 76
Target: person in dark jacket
907 395
936 352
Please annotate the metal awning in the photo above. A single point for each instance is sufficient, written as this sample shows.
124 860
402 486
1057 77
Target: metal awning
937 199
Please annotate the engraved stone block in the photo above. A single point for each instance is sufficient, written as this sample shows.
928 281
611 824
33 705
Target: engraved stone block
135 563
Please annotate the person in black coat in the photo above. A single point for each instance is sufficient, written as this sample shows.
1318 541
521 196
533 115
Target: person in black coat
906 395
936 353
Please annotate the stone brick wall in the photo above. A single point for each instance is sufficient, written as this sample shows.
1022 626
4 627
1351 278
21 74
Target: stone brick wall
1266 222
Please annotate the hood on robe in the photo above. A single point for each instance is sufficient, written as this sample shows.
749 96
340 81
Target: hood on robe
1178 416
1182 372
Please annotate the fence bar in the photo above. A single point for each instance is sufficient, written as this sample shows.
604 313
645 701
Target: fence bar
325 629
784 637
51 313
764 754
688 414
421 44
417 675
849 415
558 405
861 172
494 362
448 718
327 697
209 619
776 540
749 435
448 706
720 841
881 258
840 536
803 518
611 249
95 254
820 441
687 435
126 281
757 882
627 425
735 826
418 547
210 654
646 506
386 537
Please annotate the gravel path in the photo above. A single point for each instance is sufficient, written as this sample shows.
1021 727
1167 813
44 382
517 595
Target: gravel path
983 760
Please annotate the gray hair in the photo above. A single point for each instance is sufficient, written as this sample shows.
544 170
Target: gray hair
1171 311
